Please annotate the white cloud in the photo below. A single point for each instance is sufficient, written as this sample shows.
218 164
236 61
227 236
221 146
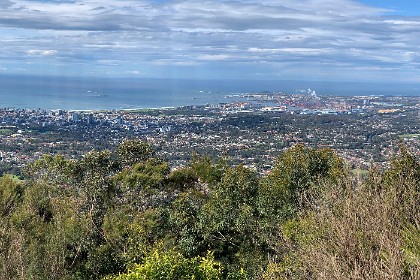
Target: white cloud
322 33
133 72
174 62
41 52
210 57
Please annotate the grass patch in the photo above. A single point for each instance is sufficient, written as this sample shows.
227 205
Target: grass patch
359 172
6 131
411 136
13 177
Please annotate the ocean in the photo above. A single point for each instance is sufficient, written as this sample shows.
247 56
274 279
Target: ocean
81 93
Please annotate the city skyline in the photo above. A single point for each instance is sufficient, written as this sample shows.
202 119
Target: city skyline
340 40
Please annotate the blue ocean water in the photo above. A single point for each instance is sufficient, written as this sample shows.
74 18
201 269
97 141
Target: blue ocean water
79 93
99 94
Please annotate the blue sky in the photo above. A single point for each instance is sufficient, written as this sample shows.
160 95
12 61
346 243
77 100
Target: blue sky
397 7
332 40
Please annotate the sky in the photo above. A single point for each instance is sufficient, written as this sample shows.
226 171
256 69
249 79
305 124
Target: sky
320 40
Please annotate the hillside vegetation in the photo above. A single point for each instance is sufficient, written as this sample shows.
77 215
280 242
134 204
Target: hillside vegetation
124 214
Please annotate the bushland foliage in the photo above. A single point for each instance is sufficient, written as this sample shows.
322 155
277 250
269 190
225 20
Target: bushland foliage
125 214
